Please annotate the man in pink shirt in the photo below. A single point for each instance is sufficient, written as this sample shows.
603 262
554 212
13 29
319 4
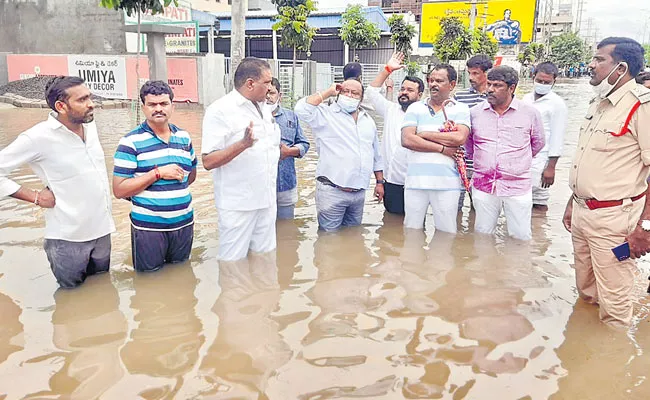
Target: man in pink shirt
506 134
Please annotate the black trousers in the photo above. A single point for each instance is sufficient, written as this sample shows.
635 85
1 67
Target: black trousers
394 198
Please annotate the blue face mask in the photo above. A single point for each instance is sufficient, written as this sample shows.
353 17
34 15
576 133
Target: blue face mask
348 104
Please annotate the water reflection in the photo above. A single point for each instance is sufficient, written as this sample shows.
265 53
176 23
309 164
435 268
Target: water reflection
165 344
11 329
248 349
372 312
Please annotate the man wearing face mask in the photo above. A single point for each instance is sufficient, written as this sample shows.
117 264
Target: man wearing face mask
294 145
393 154
555 117
241 146
608 176
348 150
506 134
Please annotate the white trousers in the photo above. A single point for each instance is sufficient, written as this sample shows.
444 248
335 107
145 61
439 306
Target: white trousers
540 194
444 205
518 210
240 231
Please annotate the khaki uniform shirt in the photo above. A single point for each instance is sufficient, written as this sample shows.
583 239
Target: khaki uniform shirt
606 167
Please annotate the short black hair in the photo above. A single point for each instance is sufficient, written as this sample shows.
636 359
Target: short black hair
626 50
547 67
276 84
642 77
417 80
155 88
482 61
451 71
57 89
504 74
249 68
352 70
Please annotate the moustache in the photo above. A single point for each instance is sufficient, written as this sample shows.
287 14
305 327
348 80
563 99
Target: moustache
159 113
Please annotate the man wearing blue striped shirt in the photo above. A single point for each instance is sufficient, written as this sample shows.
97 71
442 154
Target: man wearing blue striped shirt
432 178
154 166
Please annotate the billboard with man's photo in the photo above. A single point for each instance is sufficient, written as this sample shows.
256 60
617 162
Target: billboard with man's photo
509 21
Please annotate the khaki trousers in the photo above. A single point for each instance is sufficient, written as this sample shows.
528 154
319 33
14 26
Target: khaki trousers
600 277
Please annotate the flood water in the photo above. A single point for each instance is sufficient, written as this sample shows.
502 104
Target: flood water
364 313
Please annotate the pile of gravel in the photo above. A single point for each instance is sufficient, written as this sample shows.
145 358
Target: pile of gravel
32 88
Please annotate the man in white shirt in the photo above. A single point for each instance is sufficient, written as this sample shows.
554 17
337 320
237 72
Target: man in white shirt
348 150
66 155
555 117
393 154
432 178
241 146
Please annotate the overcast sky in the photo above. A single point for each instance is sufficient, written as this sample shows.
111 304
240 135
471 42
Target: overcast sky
618 18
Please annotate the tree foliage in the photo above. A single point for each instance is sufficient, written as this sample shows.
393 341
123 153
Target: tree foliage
295 32
568 50
132 6
402 33
356 31
533 53
288 3
454 41
483 43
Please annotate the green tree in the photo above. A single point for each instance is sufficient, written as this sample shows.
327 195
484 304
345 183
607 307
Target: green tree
295 32
402 33
138 7
533 53
454 41
568 50
356 31
413 68
288 3
482 43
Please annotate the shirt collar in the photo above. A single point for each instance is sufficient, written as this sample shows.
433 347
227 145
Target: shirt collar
279 112
54 124
514 104
617 95
145 127
52 121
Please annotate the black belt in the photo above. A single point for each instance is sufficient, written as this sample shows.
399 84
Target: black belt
325 181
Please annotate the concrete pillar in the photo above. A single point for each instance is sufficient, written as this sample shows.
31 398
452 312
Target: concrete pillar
211 40
238 33
346 56
156 47
157 57
310 72
275 44
211 75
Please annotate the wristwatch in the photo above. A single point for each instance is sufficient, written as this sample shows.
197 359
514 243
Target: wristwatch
645 225
382 181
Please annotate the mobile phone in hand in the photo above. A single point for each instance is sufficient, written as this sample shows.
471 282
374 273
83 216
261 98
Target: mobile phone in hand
622 252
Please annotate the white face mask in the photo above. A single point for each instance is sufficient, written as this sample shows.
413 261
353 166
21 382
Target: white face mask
542 89
604 87
348 104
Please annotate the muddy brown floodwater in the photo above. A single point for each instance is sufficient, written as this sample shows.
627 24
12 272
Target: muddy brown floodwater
364 313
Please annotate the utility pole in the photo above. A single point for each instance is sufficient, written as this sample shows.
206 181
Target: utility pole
238 34
472 16
581 5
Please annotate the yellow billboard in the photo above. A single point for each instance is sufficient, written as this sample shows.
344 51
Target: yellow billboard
509 21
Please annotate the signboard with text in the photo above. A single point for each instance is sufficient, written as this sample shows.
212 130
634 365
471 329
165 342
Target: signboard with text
104 75
510 22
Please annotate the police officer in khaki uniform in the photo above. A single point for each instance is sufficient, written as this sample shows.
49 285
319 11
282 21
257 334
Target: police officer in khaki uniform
608 177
